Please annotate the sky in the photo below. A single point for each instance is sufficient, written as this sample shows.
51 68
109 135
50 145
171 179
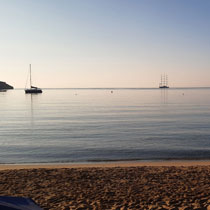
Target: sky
105 43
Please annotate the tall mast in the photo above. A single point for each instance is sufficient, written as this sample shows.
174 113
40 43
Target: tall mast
30 75
164 79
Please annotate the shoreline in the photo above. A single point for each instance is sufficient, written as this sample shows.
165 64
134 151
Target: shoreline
106 164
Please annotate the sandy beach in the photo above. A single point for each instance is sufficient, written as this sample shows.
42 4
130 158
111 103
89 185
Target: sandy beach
181 185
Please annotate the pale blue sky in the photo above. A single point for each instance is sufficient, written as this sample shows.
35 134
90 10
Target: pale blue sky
105 43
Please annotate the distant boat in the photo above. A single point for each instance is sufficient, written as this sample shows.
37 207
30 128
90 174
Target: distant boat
164 81
32 89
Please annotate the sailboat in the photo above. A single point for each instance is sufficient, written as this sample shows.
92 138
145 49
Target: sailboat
164 81
32 89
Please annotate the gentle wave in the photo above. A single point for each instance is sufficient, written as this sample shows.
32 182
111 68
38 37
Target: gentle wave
84 125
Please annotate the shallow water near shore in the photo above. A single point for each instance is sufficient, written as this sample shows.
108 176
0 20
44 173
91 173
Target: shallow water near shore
92 125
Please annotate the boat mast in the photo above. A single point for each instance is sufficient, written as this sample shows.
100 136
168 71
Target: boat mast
164 80
30 75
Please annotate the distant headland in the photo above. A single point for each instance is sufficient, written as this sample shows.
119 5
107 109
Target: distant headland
5 86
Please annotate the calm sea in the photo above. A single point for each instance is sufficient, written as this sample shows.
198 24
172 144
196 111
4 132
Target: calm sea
87 125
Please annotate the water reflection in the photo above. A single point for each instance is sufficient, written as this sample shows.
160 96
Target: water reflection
164 96
32 100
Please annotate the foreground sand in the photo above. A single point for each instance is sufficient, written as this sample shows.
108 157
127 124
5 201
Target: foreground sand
170 185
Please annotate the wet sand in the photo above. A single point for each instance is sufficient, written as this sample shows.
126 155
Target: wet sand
179 185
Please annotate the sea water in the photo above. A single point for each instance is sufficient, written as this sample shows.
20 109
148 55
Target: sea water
89 125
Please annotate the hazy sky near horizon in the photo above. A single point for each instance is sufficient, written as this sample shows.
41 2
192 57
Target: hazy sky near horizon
105 43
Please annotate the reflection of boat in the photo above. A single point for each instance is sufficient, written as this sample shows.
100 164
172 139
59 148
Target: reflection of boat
164 81
32 89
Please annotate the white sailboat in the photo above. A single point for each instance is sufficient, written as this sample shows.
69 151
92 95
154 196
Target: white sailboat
32 89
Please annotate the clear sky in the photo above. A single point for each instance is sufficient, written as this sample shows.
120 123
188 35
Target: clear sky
105 43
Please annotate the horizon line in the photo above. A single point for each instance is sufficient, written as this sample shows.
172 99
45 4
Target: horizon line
199 87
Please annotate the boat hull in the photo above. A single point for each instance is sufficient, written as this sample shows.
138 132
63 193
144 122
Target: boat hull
30 91
163 87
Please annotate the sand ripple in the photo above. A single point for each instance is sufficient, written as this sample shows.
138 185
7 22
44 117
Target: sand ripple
119 188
